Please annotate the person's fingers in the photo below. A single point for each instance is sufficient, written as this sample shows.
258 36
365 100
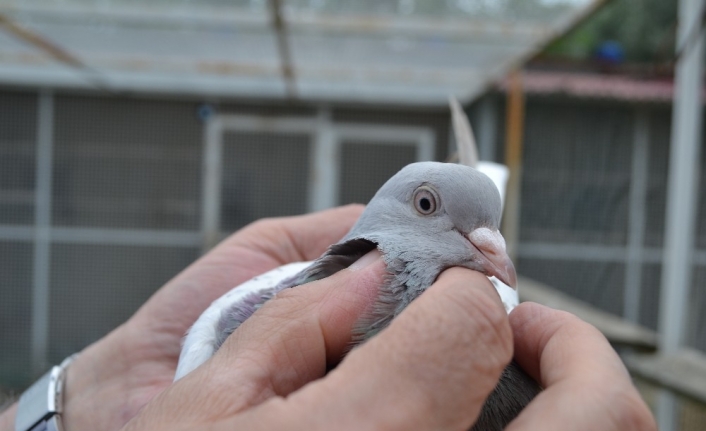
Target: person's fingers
431 369
586 385
289 342
249 252
299 238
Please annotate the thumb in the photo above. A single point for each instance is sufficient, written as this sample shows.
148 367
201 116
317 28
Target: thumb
431 369
290 341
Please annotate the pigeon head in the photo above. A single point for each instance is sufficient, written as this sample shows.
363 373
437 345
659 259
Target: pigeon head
431 216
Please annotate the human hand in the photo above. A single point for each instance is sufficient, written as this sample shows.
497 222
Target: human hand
112 379
432 368
586 384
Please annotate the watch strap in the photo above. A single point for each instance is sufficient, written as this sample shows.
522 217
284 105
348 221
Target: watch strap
40 406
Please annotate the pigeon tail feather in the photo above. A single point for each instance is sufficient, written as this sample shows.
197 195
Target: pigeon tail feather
465 142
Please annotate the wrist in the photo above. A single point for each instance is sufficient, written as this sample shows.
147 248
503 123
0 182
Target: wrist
7 418
111 380
90 385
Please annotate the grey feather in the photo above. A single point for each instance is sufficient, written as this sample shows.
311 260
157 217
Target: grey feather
338 257
513 392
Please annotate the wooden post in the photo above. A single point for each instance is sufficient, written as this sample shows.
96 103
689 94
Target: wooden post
514 131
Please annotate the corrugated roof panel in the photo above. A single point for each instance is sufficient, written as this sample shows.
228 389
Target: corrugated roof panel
401 51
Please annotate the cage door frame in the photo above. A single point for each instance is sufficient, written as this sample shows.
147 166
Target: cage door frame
326 138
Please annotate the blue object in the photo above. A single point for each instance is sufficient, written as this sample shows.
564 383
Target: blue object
205 111
610 51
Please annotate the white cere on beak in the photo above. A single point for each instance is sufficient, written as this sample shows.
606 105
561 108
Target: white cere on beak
485 238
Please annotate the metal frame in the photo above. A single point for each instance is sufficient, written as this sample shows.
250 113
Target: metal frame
42 234
487 118
326 138
42 231
636 229
682 193
323 191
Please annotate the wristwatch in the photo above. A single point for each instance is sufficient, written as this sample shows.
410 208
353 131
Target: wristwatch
40 406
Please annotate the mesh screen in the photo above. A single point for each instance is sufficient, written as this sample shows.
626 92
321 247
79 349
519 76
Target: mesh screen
264 175
696 323
660 129
365 167
576 185
18 126
598 283
97 287
136 163
15 312
649 300
576 174
126 163
701 211
436 120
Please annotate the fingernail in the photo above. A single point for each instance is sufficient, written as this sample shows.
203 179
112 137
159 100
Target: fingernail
366 260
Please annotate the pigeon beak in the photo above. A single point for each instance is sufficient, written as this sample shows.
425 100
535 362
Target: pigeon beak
492 256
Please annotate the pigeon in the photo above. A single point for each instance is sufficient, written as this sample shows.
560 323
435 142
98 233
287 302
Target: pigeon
428 217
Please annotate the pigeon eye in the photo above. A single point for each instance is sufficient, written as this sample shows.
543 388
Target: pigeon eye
425 200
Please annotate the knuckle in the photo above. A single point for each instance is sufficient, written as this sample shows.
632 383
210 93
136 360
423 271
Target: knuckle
292 297
261 224
492 326
267 226
288 306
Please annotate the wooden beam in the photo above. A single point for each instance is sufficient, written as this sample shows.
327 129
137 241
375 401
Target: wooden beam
285 55
618 331
514 131
683 372
52 49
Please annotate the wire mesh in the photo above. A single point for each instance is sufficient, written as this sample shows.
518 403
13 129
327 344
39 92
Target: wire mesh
696 322
95 288
576 174
366 166
18 117
18 113
126 163
15 312
437 120
651 289
576 186
660 129
264 175
136 163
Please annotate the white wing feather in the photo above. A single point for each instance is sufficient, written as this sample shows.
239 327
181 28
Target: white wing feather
200 342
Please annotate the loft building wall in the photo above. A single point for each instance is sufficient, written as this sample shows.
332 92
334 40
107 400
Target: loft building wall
126 199
126 204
